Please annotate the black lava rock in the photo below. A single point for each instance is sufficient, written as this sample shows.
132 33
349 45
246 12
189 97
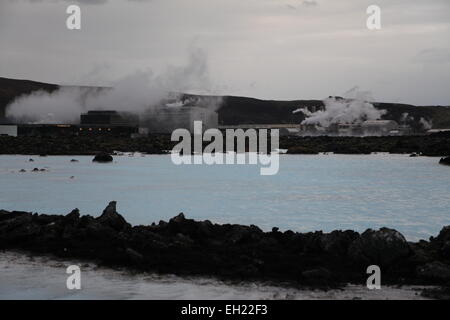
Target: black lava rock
445 161
103 157
187 247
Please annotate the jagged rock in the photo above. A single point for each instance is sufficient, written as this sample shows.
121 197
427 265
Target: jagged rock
445 161
205 228
442 242
103 157
189 247
444 234
178 219
382 247
338 242
434 270
73 217
162 223
111 218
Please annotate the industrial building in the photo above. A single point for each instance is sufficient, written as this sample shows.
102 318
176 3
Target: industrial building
109 117
93 123
122 124
108 122
285 129
8 130
379 127
366 128
166 120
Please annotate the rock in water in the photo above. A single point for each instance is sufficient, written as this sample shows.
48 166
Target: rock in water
445 161
103 157
111 218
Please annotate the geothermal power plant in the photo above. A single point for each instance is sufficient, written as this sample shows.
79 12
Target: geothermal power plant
30 114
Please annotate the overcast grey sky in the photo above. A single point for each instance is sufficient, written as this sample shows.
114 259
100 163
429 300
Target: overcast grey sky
276 49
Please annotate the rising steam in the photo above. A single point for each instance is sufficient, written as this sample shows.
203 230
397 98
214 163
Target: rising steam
139 93
353 109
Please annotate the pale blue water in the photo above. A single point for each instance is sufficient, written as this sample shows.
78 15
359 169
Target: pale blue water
317 192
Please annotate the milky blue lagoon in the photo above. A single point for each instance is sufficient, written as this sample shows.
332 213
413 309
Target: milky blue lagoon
310 192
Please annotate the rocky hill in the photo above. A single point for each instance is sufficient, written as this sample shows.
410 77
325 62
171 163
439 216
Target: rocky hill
240 110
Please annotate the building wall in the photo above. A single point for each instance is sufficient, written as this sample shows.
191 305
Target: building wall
109 118
8 130
169 119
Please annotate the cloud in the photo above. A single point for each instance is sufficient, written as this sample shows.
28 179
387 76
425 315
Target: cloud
309 3
291 48
305 3
94 2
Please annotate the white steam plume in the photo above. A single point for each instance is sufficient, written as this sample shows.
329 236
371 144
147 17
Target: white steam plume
427 125
138 93
353 109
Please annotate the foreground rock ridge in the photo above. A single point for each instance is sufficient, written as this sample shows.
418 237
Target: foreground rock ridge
233 252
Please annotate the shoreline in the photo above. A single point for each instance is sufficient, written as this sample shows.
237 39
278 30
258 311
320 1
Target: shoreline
186 247
31 276
436 145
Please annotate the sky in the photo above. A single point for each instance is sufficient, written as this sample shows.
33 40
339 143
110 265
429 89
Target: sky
269 49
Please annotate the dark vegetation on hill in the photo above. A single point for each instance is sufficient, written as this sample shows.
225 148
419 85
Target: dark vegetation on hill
243 110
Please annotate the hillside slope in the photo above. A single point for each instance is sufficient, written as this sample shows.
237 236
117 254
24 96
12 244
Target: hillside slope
240 110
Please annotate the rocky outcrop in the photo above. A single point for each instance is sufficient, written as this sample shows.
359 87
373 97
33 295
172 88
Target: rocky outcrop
111 218
186 247
103 157
383 247
445 161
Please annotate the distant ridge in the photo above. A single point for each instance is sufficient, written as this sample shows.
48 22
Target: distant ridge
240 110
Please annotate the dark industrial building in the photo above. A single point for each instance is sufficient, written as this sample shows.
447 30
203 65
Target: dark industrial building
93 123
109 117
108 122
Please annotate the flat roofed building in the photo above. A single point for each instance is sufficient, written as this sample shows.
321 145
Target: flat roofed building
8 130
168 119
109 117
379 127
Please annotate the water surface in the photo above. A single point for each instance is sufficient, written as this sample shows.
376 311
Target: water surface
310 192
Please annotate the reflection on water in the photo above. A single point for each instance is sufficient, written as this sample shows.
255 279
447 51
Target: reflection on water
24 277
